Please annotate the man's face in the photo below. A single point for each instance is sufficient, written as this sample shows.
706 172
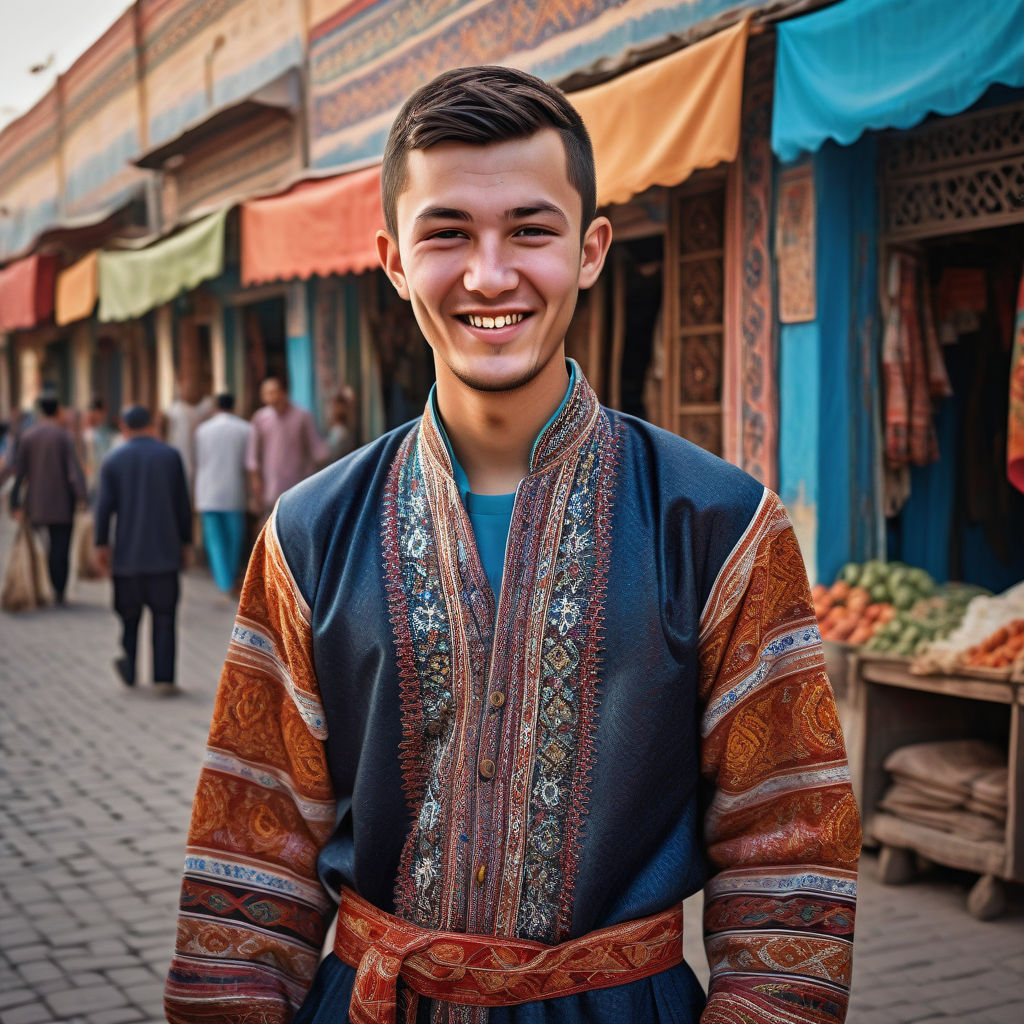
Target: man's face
271 393
489 255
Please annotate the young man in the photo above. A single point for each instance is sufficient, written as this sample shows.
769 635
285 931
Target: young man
513 681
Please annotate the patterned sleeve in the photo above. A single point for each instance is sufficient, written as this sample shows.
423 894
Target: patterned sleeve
253 914
782 831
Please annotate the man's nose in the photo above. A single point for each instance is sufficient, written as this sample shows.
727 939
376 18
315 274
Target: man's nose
490 272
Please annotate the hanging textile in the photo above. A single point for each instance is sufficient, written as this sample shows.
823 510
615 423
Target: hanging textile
132 283
641 140
26 292
913 369
77 290
874 64
1015 429
317 227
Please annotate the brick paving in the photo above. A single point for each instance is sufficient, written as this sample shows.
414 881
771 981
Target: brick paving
97 783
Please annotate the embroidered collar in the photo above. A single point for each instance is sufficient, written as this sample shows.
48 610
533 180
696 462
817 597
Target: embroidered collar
561 435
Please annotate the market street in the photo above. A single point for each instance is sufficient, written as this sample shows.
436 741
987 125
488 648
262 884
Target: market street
98 784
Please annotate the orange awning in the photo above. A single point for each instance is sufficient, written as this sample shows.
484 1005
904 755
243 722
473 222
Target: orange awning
658 124
318 227
26 292
77 290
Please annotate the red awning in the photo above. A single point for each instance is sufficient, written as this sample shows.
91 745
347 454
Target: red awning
26 292
318 227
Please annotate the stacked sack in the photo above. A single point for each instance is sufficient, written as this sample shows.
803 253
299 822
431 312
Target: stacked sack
957 786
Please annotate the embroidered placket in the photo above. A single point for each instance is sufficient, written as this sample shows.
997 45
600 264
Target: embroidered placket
499 697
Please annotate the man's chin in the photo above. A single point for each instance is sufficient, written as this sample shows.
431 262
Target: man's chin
495 383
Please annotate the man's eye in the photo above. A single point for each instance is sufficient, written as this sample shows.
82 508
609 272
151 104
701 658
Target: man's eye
448 233
534 232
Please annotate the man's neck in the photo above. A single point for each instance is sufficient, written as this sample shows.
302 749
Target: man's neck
492 432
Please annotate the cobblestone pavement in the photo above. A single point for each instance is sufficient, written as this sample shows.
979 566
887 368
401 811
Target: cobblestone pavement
97 784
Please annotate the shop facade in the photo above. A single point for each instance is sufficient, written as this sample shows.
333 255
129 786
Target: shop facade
900 255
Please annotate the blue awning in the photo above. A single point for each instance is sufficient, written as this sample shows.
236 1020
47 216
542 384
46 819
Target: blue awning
874 64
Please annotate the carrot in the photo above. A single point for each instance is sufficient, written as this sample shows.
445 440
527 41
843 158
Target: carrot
858 599
845 626
862 634
839 590
996 640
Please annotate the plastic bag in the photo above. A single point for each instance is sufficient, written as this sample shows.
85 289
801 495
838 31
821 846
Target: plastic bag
83 551
26 583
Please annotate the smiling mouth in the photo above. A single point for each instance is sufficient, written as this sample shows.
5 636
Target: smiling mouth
492 322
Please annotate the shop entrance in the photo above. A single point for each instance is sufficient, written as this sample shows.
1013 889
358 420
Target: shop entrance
264 347
962 517
617 332
951 219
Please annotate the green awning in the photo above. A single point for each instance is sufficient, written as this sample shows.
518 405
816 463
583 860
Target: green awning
131 283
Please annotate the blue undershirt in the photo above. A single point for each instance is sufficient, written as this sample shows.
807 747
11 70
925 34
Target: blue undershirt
490 515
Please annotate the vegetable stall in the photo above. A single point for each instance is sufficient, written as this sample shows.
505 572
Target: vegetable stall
934 679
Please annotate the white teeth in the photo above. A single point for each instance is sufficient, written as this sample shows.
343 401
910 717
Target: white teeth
494 321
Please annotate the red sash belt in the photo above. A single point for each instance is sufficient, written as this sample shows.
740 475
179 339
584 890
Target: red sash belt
485 970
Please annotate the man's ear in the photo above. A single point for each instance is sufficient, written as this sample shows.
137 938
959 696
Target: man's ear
596 243
391 261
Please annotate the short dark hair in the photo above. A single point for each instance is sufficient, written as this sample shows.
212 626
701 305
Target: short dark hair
225 401
136 417
479 106
49 404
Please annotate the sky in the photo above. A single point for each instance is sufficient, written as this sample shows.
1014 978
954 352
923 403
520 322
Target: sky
32 30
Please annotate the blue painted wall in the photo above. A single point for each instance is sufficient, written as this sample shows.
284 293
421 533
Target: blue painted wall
299 348
828 382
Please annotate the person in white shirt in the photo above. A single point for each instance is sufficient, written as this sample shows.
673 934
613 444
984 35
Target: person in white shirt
220 491
181 420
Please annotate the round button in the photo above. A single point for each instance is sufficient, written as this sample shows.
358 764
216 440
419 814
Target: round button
487 768
497 699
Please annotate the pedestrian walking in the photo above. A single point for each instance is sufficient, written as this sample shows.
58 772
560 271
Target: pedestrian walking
512 682
221 444
181 420
45 462
142 484
98 438
284 447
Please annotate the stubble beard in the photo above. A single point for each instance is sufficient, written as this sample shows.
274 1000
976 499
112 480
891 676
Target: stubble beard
497 387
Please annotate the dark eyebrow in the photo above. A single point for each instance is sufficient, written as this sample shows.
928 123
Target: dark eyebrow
526 212
442 213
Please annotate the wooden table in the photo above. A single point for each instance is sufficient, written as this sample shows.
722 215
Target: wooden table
891 708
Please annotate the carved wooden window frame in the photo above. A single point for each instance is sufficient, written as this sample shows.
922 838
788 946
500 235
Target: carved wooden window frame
954 174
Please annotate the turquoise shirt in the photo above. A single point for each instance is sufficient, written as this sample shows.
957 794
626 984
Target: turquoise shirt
490 515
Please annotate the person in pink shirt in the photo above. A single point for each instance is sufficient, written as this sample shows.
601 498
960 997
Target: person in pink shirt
284 446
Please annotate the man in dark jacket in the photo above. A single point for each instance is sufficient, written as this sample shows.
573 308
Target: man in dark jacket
46 459
143 483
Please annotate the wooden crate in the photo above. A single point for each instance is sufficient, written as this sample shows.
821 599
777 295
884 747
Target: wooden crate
891 708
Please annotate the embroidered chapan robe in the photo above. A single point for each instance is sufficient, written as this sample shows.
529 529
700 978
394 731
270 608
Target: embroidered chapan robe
642 712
